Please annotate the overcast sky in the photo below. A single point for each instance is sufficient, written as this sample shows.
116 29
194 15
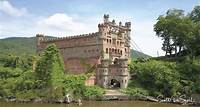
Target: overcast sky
26 18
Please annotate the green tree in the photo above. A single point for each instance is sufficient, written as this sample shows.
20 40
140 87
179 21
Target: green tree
195 14
190 76
49 68
93 92
192 41
176 30
75 84
158 77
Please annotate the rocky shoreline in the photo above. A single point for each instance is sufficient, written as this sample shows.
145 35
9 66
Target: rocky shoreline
43 100
179 100
68 100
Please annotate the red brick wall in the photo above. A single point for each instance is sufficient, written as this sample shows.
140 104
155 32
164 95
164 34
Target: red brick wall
77 65
75 49
90 81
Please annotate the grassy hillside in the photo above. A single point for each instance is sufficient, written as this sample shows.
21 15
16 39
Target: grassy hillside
24 45
136 54
17 45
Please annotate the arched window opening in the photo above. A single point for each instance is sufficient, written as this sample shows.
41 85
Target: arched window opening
106 50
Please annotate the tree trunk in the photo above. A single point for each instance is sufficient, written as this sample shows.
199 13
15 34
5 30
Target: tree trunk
175 50
180 48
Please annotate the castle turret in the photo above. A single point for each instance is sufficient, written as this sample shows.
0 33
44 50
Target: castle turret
106 18
103 72
123 71
39 39
128 25
127 39
120 24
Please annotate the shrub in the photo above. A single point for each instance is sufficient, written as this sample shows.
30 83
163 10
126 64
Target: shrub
136 92
93 92
156 77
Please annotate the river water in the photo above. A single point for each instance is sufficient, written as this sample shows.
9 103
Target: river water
96 104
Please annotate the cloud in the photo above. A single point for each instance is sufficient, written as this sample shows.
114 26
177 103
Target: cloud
63 23
145 37
7 8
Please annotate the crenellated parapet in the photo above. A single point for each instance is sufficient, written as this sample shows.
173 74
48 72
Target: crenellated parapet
112 23
69 37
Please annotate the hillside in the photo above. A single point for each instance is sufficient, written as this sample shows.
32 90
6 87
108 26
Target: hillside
17 45
136 54
25 45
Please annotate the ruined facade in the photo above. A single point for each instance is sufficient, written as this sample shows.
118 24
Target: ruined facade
105 52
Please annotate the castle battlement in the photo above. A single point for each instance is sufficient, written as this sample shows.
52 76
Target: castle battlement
112 23
47 38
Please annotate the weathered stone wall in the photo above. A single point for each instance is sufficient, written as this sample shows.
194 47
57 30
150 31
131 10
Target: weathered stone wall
107 71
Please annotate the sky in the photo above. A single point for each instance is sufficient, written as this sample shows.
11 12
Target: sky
26 18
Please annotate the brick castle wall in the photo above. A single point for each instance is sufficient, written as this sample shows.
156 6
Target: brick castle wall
77 51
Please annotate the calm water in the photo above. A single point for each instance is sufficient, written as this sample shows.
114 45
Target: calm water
96 104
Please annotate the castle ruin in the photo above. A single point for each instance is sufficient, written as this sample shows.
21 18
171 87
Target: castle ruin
105 52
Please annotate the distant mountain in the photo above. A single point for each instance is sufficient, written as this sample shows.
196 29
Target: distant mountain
17 45
27 45
136 54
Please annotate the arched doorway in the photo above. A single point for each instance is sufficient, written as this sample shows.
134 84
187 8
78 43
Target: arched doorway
114 83
115 61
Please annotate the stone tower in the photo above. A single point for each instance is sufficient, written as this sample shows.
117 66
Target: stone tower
116 38
103 70
123 72
113 69
39 40
113 75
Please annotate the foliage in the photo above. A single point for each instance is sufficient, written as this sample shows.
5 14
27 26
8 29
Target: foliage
48 81
136 92
6 72
75 84
156 77
15 80
49 68
29 94
179 32
166 78
136 54
195 14
190 76
173 28
25 82
17 46
24 62
93 91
